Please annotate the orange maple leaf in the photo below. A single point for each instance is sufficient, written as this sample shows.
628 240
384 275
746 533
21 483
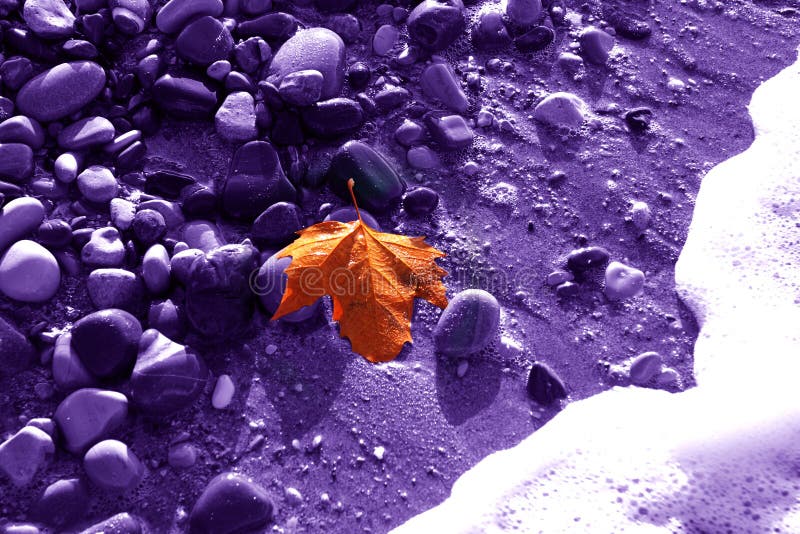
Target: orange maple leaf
372 278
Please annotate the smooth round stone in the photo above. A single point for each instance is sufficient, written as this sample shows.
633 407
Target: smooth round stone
439 82
596 45
422 157
122 523
377 184
410 133
641 215
24 453
199 201
171 211
468 324
219 70
182 262
255 181
451 132
66 167
88 415
204 41
490 33
537 38
148 226
98 184
582 259
21 129
270 284
277 224
421 201
16 162
544 385
61 90
203 235
272 27
349 213
127 21
167 318
317 49
176 13
112 466
79 49
301 88
29 272
224 389
333 118
230 503
69 373
219 299
622 281
184 98
182 455
63 503
104 249
55 233
560 110
235 120
385 39
50 19
167 376
436 24
155 269
645 367
86 133
523 12
358 75
114 288
107 342
19 218
16 352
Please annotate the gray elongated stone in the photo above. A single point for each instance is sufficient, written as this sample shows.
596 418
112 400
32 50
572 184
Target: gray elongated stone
184 98
317 49
89 415
18 219
61 90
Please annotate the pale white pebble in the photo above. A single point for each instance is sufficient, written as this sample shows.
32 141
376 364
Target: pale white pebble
641 215
271 349
462 368
66 167
296 444
293 496
223 392
379 452
316 442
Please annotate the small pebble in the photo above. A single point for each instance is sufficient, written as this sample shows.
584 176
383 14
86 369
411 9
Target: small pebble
112 466
29 272
622 281
24 453
641 215
645 367
104 249
231 503
544 385
223 392
156 269
98 184
468 324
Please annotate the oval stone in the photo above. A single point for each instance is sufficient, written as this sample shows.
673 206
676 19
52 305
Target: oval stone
19 218
333 118
436 24
29 272
468 324
176 13
544 385
377 184
16 162
112 466
21 129
107 342
204 41
277 224
50 19
560 110
184 98
63 503
88 132
230 503
270 284
89 415
317 49
61 90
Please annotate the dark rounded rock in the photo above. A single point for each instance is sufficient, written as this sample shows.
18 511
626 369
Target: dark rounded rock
21 129
79 49
63 503
167 376
349 213
490 33
229 504
358 75
582 259
16 162
184 98
219 300
148 226
255 181
629 26
107 342
421 201
204 41
131 156
198 201
15 71
277 224
639 119
544 385
16 352
270 284
317 49
55 233
167 184
272 27
167 318
535 39
122 523
61 90
436 24
334 5
176 13
287 129
333 118
468 324
377 184
112 466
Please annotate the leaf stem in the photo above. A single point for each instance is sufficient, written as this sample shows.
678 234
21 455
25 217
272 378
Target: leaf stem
350 184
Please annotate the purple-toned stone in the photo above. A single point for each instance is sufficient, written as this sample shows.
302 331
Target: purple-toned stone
271 27
16 162
229 504
468 324
421 201
270 284
176 13
317 49
184 98
436 24
16 352
112 466
89 415
544 385
450 132
277 224
86 133
63 503
377 184
204 41
21 129
333 118
61 90
107 342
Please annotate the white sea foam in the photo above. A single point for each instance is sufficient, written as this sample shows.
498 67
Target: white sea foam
722 457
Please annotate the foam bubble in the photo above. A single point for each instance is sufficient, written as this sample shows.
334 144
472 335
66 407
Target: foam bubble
722 457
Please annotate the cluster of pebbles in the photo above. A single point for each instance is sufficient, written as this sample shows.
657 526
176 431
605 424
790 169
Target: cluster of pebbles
86 83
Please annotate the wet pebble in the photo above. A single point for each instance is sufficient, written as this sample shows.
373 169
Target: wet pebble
69 373
107 342
255 181
168 319
21 129
639 119
490 32
183 97
156 269
523 12
89 415
582 259
358 75
622 281
421 201
235 120
167 377
436 24
641 215
122 523
348 213
301 88
176 13
560 110
104 248
535 39
468 324
385 39
333 118
204 41
377 184
451 132
63 503
270 26
314 49
19 218
66 167
182 262
270 284
277 224
98 184
61 90
114 288
544 385
439 82
223 392
422 157
112 466
231 503
25 453
148 226
29 272
410 133
559 277
50 19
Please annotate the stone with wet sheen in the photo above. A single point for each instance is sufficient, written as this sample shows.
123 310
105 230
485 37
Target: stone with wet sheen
61 90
